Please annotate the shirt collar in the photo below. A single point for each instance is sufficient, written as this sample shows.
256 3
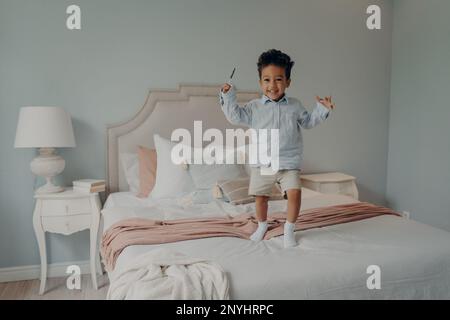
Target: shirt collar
265 99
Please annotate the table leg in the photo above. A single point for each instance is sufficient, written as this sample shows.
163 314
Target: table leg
99 236
40 236
99 265
95 203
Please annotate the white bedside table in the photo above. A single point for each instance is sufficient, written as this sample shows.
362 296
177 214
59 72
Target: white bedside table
67 212
331 183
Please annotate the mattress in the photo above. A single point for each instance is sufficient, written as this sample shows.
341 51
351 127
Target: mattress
333 262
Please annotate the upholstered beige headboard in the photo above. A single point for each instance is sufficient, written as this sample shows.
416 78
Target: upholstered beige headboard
163 112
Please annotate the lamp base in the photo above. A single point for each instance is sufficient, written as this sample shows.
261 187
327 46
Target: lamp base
49 188
48 164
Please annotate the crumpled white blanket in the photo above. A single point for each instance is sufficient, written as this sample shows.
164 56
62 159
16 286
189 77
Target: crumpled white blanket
165 274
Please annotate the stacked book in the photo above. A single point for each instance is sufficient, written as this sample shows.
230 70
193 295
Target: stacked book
89 185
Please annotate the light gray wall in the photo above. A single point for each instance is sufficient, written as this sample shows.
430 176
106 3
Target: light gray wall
102 74
419 148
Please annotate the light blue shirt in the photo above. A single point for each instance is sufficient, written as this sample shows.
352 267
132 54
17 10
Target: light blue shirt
288 115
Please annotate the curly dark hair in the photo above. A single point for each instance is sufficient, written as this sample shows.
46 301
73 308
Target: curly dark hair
277 58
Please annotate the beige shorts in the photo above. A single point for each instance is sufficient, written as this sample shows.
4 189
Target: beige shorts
262 185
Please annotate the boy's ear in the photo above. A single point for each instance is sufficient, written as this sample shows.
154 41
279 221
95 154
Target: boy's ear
288 83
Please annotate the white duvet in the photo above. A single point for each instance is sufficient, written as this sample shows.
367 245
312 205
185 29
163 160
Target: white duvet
333 262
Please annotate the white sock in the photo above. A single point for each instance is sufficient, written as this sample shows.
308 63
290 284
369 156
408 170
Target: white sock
289 236
258 235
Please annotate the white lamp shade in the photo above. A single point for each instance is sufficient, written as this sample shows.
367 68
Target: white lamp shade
44 127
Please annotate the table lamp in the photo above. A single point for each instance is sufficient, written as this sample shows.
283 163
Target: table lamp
45 128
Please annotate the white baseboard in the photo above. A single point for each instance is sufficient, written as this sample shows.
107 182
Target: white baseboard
34 271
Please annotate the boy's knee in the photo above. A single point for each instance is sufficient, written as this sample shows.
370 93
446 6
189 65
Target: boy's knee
261 199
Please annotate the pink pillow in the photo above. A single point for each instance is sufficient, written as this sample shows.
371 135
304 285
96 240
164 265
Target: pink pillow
147 171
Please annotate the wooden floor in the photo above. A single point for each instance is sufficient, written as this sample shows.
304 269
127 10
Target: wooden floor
55 289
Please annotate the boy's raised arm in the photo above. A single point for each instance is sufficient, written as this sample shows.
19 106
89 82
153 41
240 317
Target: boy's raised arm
310 120
233 112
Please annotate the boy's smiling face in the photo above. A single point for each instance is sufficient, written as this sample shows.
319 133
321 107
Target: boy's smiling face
273 81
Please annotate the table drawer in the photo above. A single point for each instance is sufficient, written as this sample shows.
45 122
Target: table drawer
335 188
66 224
66 207
347 188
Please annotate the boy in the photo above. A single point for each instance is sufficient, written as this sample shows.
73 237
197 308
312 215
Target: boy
276 111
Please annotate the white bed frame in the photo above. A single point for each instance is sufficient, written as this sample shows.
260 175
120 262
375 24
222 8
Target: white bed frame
163 112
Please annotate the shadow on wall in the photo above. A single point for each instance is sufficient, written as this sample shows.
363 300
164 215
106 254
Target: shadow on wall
79 160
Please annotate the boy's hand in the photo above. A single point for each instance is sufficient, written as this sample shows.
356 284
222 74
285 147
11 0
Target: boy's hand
326 102
226 87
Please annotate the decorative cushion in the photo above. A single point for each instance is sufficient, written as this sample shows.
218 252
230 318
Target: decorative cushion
235 191
147 171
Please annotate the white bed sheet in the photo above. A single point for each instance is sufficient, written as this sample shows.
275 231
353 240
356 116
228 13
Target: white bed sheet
328 263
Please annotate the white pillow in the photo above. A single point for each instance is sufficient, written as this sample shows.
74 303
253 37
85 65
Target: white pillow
205 176
130 165
172 180
199 196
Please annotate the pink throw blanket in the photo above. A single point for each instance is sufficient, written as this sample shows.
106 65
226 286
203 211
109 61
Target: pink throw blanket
139 231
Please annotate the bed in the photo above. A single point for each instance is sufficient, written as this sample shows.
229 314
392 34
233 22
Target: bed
333 262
